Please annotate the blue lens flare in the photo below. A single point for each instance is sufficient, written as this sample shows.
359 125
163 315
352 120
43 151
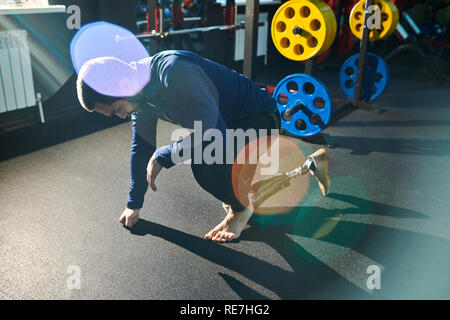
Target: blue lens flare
120 74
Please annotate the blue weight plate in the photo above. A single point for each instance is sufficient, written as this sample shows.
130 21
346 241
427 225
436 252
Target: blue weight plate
376 77
305 89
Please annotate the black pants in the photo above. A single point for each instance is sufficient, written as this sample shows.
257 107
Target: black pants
217 179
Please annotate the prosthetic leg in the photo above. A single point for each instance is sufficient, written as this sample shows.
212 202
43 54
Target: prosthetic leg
316 164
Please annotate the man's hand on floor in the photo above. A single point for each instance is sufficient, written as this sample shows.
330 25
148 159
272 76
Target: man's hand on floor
129 217
153 169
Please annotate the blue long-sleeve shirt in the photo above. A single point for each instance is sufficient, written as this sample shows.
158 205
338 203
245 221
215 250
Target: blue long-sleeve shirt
185 87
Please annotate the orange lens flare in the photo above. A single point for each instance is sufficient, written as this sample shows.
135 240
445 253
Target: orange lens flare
275 156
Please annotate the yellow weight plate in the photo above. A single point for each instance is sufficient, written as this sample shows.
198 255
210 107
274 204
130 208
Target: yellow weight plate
327 12
395 18
356 20
389 17
331 21
335 29
302 29
326 18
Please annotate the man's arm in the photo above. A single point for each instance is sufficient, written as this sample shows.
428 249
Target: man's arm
142 149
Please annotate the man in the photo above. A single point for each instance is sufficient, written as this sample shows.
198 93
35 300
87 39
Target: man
185 88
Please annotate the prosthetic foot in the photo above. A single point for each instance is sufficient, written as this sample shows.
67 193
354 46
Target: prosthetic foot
320 172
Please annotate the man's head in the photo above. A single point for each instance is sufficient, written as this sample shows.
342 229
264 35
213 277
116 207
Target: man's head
114 81
91 100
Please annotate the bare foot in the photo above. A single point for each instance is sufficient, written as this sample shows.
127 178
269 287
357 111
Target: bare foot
226 207
231 227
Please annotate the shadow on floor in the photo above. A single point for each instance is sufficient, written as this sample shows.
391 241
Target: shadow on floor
285 284
364 146
244 292
393 123
309 274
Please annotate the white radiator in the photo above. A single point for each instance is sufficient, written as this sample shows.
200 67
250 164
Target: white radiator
263 32
16 77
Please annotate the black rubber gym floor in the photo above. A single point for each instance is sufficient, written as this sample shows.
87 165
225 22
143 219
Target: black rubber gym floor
63 187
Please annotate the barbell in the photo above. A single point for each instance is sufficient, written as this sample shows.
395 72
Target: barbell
155 34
